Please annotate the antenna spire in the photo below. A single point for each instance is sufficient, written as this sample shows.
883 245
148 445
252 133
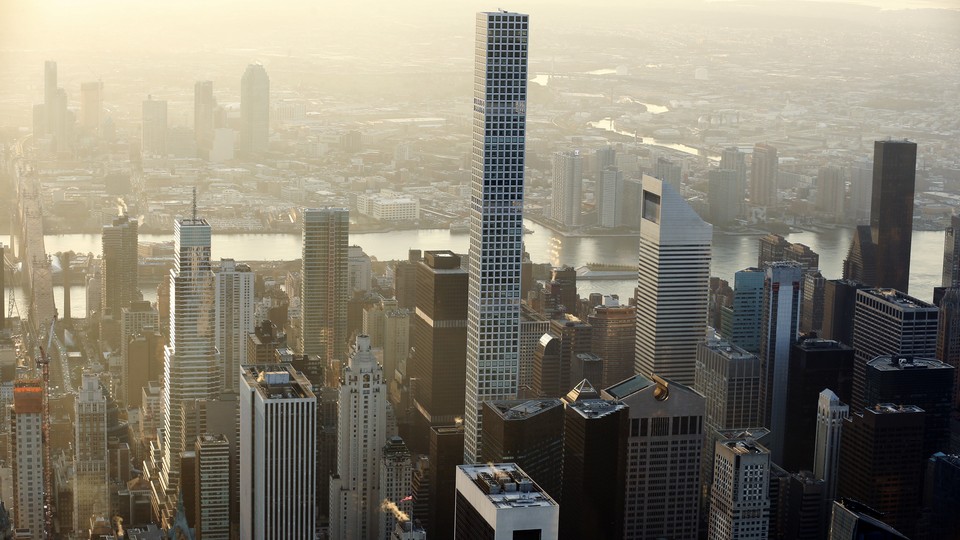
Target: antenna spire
194 203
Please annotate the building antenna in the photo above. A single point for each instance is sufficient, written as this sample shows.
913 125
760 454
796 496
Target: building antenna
194 203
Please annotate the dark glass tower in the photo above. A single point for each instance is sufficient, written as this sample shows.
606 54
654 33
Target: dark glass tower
891 210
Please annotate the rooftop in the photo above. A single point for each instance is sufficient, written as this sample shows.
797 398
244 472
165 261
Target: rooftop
596 408
520 409
745 447
903 363
507 486
277 381
898 298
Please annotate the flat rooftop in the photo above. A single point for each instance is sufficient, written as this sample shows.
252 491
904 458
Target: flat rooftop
596 408
898 298
520 409
277 381
905 363
506 485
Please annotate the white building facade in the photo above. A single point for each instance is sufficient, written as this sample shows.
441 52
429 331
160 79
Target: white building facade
234 313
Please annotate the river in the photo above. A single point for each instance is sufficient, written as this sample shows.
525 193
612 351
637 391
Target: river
730 253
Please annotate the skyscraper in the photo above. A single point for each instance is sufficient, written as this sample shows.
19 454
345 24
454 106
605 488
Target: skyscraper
234 303
254 110
831 414
496 216
811 307
446 452
951 254
666 427
850 520
614 326
739 501
191 366
362 427
119 271
831 191
567 188
740 323
51 98
90 496
499 500
439 360
323 290
278 453
396 473
891 211
763 175
673 284
139 318
723 196
203 109
889 322
732 159
212 481
28 462
778 332
91 106
609 200
948 336
860 173
153 132
839 306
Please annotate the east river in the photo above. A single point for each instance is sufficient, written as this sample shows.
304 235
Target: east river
730 253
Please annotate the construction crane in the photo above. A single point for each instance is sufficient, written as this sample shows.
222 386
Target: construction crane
43 364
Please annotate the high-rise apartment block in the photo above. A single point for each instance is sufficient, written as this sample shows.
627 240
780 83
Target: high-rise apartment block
831 192
212 482
723 195
739 502
778 332
763 175
732 159
91 480
498 501
254 110
609 198
153 132
673 284
666 427
496 216
204 105
119 270
234 304
278 453
567 188
362 434
323 290
27 443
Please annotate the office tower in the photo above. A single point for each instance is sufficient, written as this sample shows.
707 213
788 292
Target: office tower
732 159
880 461
496 217
144 364
666 426
814 364
566 278
153 132
728 377
439 336
234 305
779 492
327 444
831 415
409 530
254 110
91 106
831 191
891 211
552 364
27 452
839 303
203 112
604 158
405 280
775 248
359 273
739 502
499 500
669 172
951 254
851 520
806 513
528 433
924 382
137 319
763 175
119 269
263 341
212 481
567 188
720 305
446 452
778 332
609 200
941 496
673 284
278 453
740 323
614 326
723 197
948 336
860 174
889 322
362 427
323 290
396 473
90 495
191 364
51 98
533 326
595 433
811 307
860 264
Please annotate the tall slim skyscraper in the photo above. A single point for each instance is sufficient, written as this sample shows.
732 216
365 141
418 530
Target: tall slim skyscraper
614 328
740 323
722 194
763 175
951 254
831 191
673 284
91 106
27 452
732 159
362 427
496 216
609 198
191 367
90 495
203 107
212 481
891 211
278 453
860 174
120 267
254 110
51 97
567 188
778 332
604 158
153 132
948 336
739 498
323 289
234 303
396 473
831 415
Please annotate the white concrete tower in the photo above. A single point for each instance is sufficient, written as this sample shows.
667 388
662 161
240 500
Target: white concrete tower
830 417
233 286
673 284
496 216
